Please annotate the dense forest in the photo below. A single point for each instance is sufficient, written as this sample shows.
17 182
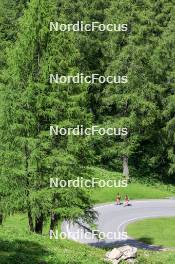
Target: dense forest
30 104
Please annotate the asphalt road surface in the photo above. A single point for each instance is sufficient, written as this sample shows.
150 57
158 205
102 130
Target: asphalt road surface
112 221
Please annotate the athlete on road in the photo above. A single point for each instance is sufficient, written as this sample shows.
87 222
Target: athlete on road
126 203
118 199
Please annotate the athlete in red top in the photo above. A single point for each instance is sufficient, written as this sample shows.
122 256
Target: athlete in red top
126 200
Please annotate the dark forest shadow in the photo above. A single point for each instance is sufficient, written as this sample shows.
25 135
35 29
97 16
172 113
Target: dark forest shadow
23 252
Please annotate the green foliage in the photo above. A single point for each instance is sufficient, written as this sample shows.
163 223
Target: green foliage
163 62
10 11
138 104
32 105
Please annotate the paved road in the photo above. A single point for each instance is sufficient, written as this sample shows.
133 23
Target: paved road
113 219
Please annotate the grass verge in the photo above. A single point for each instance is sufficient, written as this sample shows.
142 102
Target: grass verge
19 246
157 231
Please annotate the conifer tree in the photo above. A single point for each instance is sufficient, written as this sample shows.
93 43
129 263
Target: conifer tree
10 11
134 105
34 104
164 70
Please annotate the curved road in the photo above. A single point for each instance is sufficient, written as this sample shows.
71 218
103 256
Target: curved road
113 219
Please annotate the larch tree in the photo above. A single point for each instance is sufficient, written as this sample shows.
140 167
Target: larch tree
134 105
10 11
32 105
164 72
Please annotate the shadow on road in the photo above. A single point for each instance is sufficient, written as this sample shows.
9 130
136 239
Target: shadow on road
130 242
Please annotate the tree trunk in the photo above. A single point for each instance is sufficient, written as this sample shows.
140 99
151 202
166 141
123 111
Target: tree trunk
125 167
1 219
39 224
54 221
30 221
